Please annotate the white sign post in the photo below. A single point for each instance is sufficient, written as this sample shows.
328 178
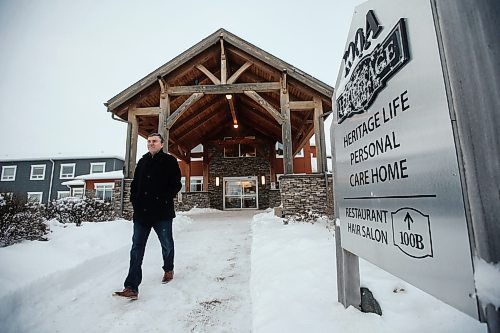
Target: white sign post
397 181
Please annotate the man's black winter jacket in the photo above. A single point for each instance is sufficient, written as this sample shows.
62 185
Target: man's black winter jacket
157 180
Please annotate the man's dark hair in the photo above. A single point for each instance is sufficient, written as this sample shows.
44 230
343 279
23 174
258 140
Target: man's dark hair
156 134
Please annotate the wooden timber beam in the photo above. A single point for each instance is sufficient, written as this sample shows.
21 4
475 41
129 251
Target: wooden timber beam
196 137
214 117
268 70
231 80
268 107
306 137
272 63
271 134
181 109
178 150
164 114
261 122
286 127
223 62
126 165
221 89
132 119
152 111
240 71
174 154
203 116
182 155
302 105
233 112
209 74
319 135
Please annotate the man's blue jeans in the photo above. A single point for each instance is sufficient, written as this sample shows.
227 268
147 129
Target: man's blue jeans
163 229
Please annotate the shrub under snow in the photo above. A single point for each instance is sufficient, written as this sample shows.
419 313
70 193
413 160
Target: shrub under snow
19 221
26 221
78 210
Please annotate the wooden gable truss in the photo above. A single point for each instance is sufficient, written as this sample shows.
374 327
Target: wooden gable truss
222 82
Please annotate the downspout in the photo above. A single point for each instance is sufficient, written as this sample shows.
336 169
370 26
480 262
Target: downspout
51 180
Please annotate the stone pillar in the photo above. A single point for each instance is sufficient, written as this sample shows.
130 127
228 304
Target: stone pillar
306 196
122 208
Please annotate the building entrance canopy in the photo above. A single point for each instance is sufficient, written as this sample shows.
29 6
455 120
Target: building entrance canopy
225 87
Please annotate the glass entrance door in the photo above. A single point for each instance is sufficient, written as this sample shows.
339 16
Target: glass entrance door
240 193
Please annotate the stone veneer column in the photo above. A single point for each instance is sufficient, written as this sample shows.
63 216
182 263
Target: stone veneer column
192 200
305 194
128 210
274 198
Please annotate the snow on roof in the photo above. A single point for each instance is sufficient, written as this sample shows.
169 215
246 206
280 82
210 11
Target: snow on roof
60 156
73 182
104 175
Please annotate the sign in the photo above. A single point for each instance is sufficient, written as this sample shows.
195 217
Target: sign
397 182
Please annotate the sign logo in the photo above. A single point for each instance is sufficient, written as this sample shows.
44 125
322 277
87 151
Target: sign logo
372 72
411 232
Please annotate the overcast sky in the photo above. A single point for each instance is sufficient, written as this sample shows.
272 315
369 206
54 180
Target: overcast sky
61 60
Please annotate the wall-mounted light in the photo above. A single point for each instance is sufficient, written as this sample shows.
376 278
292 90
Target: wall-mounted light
263 180
229 96
235 125
217 181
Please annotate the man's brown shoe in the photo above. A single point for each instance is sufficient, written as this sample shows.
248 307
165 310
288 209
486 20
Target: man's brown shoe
127 293
167 277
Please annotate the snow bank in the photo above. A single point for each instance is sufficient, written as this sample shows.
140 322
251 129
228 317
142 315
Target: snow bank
294 288
288 272
68 246
198 211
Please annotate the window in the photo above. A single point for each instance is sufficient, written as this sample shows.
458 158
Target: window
196 184
37 172
232 150
247 151
300 153
77 192
67 171
240 192
62 194
97 167
104 191
35 197
9 173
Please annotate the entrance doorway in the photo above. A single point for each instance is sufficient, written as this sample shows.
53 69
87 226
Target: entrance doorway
241 193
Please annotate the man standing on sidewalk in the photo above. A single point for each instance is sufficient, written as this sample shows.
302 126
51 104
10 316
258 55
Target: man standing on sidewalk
157 180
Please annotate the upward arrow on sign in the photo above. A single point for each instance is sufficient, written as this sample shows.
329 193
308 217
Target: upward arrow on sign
408 220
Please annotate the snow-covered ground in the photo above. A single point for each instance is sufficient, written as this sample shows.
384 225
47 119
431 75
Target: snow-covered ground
235 272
